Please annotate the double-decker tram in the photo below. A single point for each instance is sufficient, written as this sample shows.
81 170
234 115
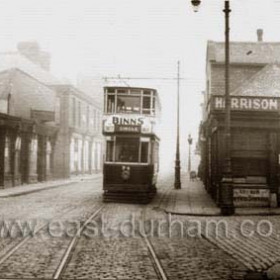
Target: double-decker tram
132 146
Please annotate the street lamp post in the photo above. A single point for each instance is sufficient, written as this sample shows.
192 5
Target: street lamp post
226 188
177 184
189 162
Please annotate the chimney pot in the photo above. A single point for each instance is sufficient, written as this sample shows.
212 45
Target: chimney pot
260 35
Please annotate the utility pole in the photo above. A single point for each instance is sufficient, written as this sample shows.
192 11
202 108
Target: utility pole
177 183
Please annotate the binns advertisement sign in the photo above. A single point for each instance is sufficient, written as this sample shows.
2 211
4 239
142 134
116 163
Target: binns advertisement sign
247 103
128 124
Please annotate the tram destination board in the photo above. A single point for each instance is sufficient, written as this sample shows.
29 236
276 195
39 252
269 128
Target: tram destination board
128 128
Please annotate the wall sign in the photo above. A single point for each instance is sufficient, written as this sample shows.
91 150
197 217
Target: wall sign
251 197
248 103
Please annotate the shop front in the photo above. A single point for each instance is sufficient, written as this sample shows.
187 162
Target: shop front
255 153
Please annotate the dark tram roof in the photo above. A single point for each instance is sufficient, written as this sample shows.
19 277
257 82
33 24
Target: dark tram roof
126 88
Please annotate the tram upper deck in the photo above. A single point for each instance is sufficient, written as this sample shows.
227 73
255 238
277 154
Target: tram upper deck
131 100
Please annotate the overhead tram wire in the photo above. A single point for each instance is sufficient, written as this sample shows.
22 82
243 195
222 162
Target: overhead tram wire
144 78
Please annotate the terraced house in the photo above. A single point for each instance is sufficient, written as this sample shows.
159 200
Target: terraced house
48 129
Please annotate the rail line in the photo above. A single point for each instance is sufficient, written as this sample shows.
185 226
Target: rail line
73 243
153 256
17 246
58 273
156 262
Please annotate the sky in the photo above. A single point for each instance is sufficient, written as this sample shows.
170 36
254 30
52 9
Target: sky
142 39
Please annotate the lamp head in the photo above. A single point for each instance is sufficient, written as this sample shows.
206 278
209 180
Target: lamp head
190 139
195 4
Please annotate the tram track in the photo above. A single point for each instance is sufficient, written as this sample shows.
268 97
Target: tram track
156 262
14 249
152 253
71 248
17 246
72 245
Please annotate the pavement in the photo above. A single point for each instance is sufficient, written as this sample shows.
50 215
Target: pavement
193 200
40 186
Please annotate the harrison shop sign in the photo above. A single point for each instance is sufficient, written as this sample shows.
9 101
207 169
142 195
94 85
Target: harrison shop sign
268 104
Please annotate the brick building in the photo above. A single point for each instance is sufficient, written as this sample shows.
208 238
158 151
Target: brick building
255 116
48 130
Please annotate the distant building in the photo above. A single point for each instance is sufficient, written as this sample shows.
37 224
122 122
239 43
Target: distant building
92 86
47 129
79 139
255 131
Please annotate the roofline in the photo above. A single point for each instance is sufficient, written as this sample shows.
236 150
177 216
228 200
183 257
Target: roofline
80 93
241 63
30 76
244 42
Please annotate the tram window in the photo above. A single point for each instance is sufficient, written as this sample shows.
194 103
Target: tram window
146 104
144 152
153 105
127 149
122 91
111 104
128 104
109 151
111 90
135 91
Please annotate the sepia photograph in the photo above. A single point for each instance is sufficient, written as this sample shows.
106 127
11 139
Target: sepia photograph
139 140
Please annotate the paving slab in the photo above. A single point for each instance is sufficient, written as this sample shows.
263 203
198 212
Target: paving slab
31 188
193 200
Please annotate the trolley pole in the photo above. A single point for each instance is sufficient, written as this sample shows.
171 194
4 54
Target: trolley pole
177 184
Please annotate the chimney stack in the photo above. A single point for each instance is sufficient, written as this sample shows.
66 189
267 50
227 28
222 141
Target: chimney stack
32 51
260 35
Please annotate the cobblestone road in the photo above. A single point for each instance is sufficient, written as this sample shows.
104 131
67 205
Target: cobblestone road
113 246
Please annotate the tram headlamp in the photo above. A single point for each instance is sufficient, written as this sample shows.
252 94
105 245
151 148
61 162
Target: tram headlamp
109 128
146 129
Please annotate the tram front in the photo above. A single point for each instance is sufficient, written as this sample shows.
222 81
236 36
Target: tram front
131 163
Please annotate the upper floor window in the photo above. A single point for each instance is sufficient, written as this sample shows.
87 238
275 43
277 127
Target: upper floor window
74 111
87 116
79 113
